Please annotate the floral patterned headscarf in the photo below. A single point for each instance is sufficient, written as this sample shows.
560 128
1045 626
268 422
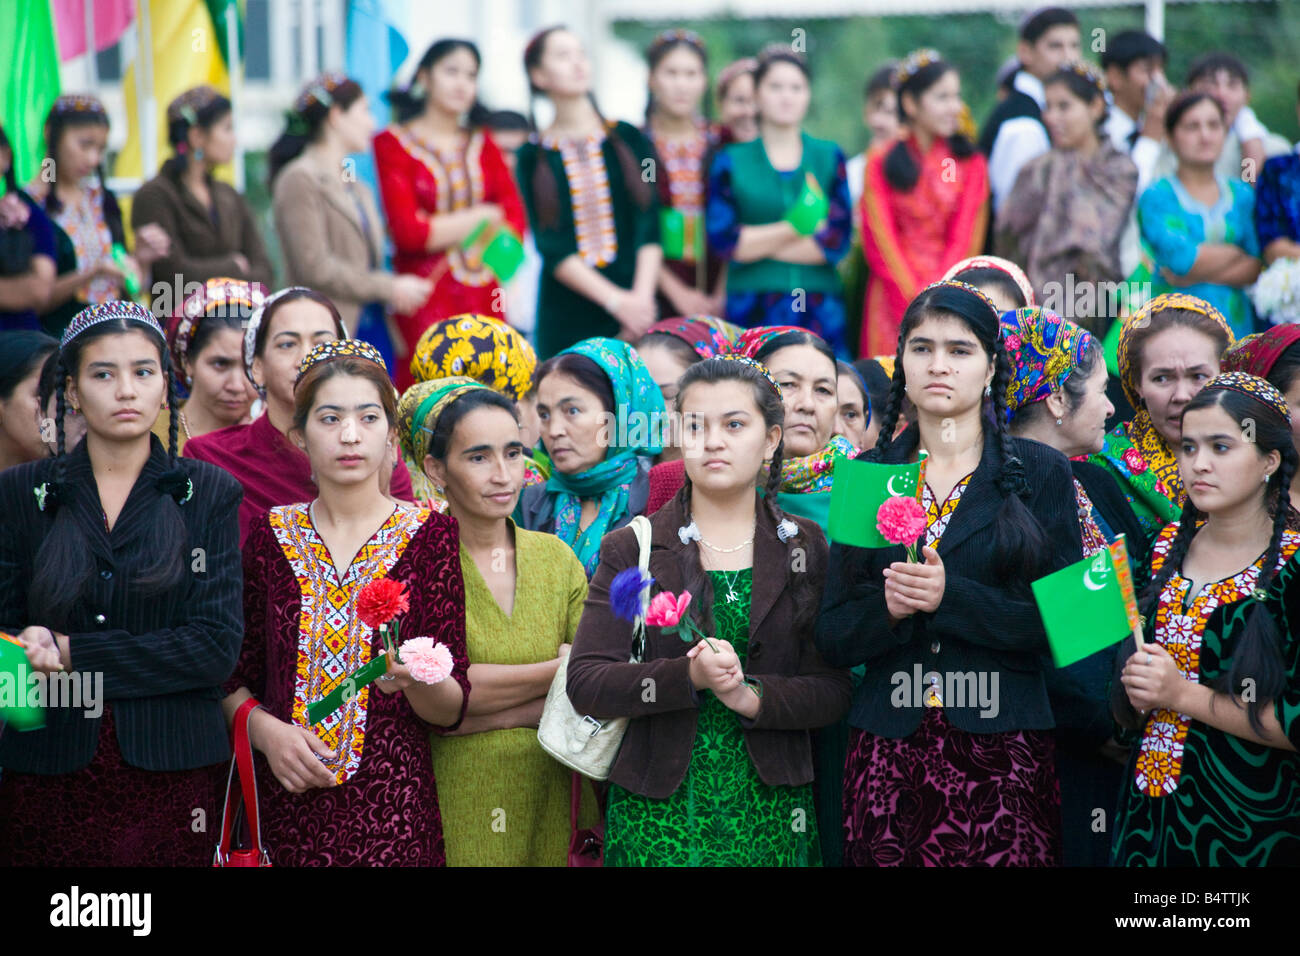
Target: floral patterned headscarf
1257 354
1044 349
707 334
478 347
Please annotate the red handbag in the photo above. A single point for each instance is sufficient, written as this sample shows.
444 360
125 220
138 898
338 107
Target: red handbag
586 846
241 803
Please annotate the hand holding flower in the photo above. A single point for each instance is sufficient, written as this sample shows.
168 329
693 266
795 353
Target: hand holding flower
719 671
915 587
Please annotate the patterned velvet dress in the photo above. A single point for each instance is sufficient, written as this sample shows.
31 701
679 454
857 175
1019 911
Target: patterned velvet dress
1193 794
302 639
943 796
722 813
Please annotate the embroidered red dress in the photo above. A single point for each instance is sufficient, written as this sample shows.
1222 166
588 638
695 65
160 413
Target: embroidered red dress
910 239
302 638
418 181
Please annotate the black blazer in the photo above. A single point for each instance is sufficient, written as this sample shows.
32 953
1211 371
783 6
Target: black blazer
163 657
980 628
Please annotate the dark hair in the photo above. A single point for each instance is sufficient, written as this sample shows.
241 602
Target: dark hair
440 440
293 295
178 132
583 371
1206 65
984 276
806 602
214 320
56 124
11 178
64 565
1128 46
780 53
305 389
1019 542
545 188
23 353
796 337
305 126
507 121
881 80
733 71
1042 20
49 379
851 373
1185 101
876 380
407 104
1257 657
901 168
1081 88
1072 387
661 48
1285 368
677 346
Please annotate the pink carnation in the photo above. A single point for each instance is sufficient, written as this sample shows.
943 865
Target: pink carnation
667 610
429 663
1136 463
900 519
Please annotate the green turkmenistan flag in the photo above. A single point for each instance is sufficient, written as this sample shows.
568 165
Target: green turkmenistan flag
29 81
860 488
14 708
1088 606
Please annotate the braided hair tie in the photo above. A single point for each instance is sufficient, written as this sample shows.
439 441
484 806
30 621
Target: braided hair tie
1013 480
176 483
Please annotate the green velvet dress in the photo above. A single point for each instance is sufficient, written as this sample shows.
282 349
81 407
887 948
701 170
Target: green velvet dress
722 814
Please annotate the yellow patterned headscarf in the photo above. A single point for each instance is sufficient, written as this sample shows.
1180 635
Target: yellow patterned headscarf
477 347
419 408
1128 371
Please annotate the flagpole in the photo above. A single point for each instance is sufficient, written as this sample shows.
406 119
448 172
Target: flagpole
235 71
144 95
92 67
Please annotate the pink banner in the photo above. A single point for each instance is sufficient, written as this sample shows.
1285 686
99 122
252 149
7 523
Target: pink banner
112 18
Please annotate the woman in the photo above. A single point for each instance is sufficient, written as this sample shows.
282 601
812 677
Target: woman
1168 350
1212 691
853 420
488 351
22 357
441 179
329 228
98 577
1274 355
602 421
776 274
1069 207
976 766
27 252
85 214
212 230
715 768
669 349
524 592
595 219
690 279
925 204
1201 228
1000 279
372 799
1057 396
734 91
271 468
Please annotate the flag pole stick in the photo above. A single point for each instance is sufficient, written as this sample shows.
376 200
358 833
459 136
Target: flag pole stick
234 70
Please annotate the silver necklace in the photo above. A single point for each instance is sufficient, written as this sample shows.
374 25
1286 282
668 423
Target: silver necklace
744 544
732 596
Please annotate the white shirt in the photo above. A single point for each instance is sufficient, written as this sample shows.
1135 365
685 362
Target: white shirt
1018 141
1144 151
855 169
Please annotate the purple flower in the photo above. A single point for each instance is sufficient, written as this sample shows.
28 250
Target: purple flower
625 592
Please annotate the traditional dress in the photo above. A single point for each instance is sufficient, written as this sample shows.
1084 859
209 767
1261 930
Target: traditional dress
722 814
592 214
303 638
745 189
911 238
1065 217
1174 226
417 182
83 240
1277 200
504 775
682 195
1195 795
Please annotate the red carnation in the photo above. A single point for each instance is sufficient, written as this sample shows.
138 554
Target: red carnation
382 600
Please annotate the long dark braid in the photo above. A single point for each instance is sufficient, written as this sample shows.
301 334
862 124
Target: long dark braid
893 407
1019 542
173 409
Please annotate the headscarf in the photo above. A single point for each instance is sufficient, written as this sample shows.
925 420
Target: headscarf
1128 371
262 314
420 407
751 341
478 347
1258 353
1255 387
708 335
639 413
1013 271
1044 349
217 294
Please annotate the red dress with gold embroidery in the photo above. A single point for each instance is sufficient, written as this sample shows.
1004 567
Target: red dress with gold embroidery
302 638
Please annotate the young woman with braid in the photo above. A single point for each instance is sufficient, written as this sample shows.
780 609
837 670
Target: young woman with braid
100 574
716 767
1214 691
953 774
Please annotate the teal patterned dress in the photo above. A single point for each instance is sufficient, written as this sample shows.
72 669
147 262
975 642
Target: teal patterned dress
722 814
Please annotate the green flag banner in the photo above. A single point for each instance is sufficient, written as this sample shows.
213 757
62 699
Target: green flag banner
29 81
1089 605
810 207
15 710
860 488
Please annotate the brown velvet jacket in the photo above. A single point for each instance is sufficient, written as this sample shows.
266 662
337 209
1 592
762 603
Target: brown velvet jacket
800 692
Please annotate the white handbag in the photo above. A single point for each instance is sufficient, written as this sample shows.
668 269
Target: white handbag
582 742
